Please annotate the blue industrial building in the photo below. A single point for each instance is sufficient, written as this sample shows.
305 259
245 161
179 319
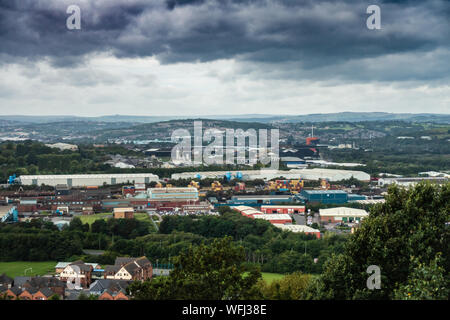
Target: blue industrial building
324 196
354 197
9 214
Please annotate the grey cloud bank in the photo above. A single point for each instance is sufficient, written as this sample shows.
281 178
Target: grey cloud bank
296 43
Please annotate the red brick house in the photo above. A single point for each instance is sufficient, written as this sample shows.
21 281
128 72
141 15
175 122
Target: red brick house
138 269
12 293
55 285
43 294
109 295
27 294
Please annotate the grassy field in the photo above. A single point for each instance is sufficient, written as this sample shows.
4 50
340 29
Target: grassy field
269 277
91 218
17 268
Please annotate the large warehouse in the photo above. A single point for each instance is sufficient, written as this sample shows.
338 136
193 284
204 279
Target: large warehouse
305 174
342 214
297 228
84 180
172 194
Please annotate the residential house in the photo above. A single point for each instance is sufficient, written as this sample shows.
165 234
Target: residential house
110 295
54 284
78 273
61 265
6 281
43 294
137 269
100 286
20 281
27 294
13 292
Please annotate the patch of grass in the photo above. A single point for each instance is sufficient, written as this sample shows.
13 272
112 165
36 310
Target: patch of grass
17 268
91 218
142 216
269 277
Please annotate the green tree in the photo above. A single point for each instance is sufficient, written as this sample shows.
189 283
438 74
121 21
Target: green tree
412 223
205 272
291 287
426 282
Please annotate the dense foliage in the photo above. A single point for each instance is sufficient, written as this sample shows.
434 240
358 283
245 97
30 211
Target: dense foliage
205 272
407 238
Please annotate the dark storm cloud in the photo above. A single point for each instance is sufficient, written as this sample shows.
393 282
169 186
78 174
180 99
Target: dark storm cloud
313 34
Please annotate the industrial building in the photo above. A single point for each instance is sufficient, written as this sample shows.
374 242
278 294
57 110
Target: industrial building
256 214
8 214
406 182
123 213
298 229
294 162
172 194
324 196
342 214
283 209
274 218
84 180
247 211
258 200
305 174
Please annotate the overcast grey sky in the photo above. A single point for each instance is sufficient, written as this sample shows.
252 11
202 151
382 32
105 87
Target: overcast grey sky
192 57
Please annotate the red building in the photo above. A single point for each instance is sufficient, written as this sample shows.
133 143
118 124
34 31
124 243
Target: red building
283 209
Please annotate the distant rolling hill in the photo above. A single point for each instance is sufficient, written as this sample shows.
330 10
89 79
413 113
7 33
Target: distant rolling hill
262 118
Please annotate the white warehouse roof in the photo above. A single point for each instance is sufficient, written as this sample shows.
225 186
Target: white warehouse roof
295 227
343 212
306 174
81 180
273 216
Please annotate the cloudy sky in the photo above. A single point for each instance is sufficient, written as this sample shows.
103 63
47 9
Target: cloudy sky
210 57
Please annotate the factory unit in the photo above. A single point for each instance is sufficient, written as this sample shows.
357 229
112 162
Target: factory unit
172 194
324 196
256 214
258 200
247 211
406 182
203 207
274 218
298 228
8 214
174 199
295 174
84 180
342 214
27 205
294 162
123 213
283 209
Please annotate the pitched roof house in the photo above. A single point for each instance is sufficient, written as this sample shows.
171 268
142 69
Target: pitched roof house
27 293
13 292
5 280
78 273
101 285
43 294
20 281
129 269
111 295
